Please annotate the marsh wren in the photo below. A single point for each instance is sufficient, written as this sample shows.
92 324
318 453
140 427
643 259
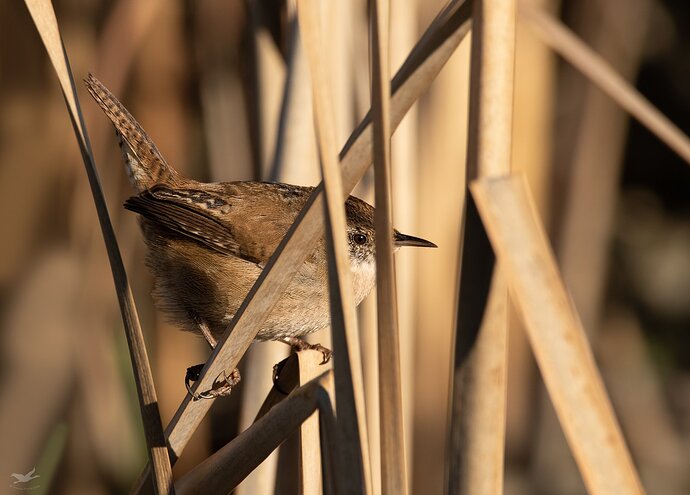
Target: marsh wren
208 242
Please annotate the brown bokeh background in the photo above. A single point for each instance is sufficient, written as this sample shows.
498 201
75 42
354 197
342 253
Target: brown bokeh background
207 80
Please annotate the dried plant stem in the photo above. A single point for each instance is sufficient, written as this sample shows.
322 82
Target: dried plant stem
405 190
588 167
269 78
570 47
310 447
44 18
533 144
294 159
556 334
420 69
479 388
349 384
225 469
287 380
267 116
393 465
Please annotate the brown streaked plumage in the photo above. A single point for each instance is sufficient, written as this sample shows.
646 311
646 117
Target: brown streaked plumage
208 242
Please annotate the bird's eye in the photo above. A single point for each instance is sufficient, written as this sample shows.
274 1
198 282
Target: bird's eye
360 239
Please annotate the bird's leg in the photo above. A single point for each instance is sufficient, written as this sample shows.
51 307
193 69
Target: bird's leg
206 332
301 345
220 388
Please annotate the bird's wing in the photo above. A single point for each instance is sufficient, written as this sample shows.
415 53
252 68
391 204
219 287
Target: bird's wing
31 472
191 213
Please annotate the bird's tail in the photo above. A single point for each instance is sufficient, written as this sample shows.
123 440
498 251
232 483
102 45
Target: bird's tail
145 165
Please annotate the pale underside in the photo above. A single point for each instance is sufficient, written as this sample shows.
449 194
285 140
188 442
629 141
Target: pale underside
194 285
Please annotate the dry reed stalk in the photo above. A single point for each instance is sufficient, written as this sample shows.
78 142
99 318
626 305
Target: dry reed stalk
43 16
597 70
533 137
479 390
556 334
256 381
594 162
268 80
337 20
348 366
286 381
534 100
369 341
393 464
414 77
272 79
404 187
310 481
441 149
218 29
112 435
588 170
366 311
295 160
224 470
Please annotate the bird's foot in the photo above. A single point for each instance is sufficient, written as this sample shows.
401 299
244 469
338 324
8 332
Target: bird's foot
222 386
302 345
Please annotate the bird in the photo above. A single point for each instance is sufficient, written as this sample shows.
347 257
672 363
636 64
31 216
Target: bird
25 478
208 242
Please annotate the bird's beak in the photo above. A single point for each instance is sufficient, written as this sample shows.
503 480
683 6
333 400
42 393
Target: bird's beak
409 240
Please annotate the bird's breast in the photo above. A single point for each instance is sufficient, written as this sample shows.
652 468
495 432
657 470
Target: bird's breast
363 279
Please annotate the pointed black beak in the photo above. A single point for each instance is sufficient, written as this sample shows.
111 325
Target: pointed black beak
410 240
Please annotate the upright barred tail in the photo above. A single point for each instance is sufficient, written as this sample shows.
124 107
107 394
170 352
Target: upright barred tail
145 165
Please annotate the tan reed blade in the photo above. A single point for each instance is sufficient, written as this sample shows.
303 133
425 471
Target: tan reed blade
570 47
310 481
348 366
224 470
393 464
43 16
556 334
476 457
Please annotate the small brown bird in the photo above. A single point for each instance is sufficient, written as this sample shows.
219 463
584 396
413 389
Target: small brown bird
208 242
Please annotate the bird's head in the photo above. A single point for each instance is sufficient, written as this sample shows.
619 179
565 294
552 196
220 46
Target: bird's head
361 235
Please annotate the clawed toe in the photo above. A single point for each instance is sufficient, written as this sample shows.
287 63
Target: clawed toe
325 352
222 386
301 345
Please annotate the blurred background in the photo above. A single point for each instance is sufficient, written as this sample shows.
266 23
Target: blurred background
222 87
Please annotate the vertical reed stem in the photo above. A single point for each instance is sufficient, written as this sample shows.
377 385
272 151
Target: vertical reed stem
348 365
44 18
479 388
393 467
